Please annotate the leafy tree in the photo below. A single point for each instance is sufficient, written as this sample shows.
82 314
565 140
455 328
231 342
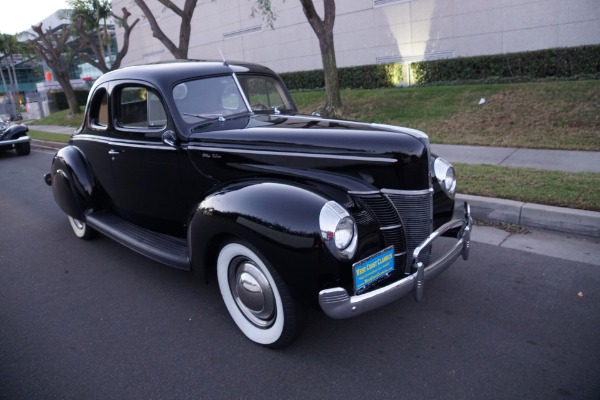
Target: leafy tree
89 18
52 45
179 51
9 46
87 34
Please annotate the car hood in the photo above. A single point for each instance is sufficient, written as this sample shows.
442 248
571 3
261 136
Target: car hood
356 156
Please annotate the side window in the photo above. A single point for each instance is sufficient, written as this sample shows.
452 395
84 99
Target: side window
264 93
139 107
99 110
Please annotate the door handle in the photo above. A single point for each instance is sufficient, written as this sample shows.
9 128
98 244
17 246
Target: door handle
113 152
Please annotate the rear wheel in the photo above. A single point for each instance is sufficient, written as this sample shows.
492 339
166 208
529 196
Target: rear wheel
256 297
23 149
81 229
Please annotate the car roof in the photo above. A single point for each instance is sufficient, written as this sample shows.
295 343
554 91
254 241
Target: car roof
166 72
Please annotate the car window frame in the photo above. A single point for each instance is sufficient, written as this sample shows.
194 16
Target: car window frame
132 132
92 122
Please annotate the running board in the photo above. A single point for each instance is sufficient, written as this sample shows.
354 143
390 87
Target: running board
169 250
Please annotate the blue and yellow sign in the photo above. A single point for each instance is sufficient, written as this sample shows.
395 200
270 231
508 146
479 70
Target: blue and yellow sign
373 268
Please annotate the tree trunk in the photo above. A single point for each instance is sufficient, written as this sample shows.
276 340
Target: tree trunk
323 28
65 83
17 94
333 102
3 80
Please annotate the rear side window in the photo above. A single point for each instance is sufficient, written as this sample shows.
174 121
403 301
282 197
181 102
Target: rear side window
140 107
99 109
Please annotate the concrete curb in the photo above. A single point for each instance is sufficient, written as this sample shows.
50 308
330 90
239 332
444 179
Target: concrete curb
568 220
46 145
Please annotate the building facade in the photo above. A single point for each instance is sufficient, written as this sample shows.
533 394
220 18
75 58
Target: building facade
368 31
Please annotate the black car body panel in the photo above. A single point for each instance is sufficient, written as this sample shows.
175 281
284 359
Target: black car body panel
177 160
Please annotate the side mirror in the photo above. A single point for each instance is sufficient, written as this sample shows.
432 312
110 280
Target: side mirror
170 138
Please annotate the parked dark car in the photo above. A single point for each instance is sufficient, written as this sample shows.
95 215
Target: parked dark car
207 166
14 137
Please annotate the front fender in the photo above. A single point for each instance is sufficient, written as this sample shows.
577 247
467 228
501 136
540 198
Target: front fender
280 220
15 132
72 181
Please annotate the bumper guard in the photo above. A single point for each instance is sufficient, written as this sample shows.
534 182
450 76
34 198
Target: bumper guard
337 303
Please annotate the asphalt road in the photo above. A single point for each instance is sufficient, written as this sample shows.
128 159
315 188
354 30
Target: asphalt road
93 320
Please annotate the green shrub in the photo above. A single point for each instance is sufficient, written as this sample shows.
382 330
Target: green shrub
559 63
359 77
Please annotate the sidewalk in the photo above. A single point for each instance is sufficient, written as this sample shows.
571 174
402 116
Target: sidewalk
556 160
579 222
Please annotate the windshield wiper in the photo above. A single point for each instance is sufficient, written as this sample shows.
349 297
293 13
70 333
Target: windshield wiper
207 117
220 118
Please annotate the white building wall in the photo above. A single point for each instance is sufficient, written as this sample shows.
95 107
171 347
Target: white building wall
369 31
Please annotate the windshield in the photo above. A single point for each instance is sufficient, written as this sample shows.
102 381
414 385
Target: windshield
208 98
265 93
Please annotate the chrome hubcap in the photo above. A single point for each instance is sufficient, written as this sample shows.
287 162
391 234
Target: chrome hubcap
78 224
252 292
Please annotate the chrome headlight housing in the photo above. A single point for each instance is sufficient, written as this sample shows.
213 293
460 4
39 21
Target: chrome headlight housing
338 230
444 173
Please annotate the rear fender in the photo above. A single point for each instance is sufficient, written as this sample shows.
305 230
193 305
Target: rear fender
72 181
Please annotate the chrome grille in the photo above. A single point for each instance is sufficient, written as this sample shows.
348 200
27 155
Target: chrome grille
406 220
416 211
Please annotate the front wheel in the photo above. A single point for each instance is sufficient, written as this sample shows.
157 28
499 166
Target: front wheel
256 297
81 229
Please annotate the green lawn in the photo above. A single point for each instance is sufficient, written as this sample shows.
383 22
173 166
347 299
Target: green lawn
554 188
540 115
51 137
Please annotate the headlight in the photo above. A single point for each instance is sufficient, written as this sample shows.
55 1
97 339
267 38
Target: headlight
338 230
444 173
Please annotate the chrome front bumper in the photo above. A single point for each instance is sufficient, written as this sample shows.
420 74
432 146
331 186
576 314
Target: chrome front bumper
337 303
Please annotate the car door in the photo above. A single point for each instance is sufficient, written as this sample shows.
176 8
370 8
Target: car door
147 172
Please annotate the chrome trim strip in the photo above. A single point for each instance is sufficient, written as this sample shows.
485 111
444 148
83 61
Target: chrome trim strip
149 145
386 228
337 303
90 138
407 192
290 154
239 87
124 142
358 193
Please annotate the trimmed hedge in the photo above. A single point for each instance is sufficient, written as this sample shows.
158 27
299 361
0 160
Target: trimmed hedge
359 77
559 63
563 63
57 100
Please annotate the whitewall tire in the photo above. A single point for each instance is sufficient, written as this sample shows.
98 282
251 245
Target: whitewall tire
256 297
81 229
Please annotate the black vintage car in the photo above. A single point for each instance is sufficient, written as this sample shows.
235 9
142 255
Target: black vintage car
14 137
207 166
